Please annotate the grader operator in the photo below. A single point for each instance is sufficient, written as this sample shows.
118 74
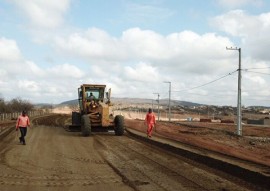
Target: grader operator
95 111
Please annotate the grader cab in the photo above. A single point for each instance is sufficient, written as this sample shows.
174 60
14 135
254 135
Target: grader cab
94 113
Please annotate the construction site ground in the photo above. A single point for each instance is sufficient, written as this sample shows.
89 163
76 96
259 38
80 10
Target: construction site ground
254 145
56 159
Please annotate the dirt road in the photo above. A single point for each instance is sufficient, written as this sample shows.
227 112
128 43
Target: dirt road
55 159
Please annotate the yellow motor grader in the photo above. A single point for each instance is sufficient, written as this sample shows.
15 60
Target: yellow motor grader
94 113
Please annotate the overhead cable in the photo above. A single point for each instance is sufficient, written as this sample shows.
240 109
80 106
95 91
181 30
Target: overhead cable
256 72
207 82
255 68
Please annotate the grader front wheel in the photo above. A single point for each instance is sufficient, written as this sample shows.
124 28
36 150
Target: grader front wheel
86 126
119 125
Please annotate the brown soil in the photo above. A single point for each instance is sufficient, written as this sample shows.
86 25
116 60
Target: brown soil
254 145
55 159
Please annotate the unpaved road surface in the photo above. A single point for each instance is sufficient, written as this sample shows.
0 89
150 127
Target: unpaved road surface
55 159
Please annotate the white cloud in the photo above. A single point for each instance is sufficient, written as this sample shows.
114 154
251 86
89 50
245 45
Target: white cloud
253 30
175 50
9 51
33 69
258 80
29 86
47 14
149 59
239 23
141 72
65 71
136 63
98 71
93 43
26 79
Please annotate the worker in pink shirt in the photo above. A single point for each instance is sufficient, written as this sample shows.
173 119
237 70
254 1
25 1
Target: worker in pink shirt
150 120
22 124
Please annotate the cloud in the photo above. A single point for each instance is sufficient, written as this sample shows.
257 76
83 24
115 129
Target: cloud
31 86
9 51
25 78
253 30
135 63
257 80
175 50
65 71
141 72
44 14
238 23
93 44
143 59
33 69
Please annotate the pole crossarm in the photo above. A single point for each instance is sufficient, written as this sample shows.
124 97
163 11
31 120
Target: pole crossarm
231 48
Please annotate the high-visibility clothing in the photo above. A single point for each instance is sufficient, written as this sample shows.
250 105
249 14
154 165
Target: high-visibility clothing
22 121
150 118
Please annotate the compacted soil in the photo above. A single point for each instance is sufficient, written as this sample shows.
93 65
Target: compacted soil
56 159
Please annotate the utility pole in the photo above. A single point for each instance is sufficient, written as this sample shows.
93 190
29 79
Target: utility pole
239 107
158 104
169 99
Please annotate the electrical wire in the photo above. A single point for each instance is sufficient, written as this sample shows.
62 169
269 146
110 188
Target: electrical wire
256 72
207 82
256 68
257 99
221 95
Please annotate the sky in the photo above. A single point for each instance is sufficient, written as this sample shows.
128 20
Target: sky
49 48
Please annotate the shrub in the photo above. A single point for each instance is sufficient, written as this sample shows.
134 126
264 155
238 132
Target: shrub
15 105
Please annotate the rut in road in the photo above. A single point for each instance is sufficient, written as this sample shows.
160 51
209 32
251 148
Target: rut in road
145 167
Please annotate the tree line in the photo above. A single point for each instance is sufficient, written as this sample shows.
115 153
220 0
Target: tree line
15 105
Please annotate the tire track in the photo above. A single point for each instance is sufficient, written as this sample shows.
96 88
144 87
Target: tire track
145 163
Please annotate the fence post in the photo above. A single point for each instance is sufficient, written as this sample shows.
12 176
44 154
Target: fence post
15 115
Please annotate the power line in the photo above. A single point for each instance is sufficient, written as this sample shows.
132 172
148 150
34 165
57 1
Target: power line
255 68
207 82
211 95
257 72
229 95
257 99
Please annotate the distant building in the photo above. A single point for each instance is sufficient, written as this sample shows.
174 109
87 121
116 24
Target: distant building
259 121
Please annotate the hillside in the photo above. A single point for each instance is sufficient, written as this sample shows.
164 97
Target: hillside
140 101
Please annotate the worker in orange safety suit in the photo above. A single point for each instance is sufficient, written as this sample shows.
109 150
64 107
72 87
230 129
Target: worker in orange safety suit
150 120
22 124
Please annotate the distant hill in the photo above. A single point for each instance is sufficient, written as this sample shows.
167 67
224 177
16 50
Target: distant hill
140 101
149 101
43 105
70 102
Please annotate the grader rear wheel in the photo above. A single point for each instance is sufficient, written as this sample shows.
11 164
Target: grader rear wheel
76 118
86 125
